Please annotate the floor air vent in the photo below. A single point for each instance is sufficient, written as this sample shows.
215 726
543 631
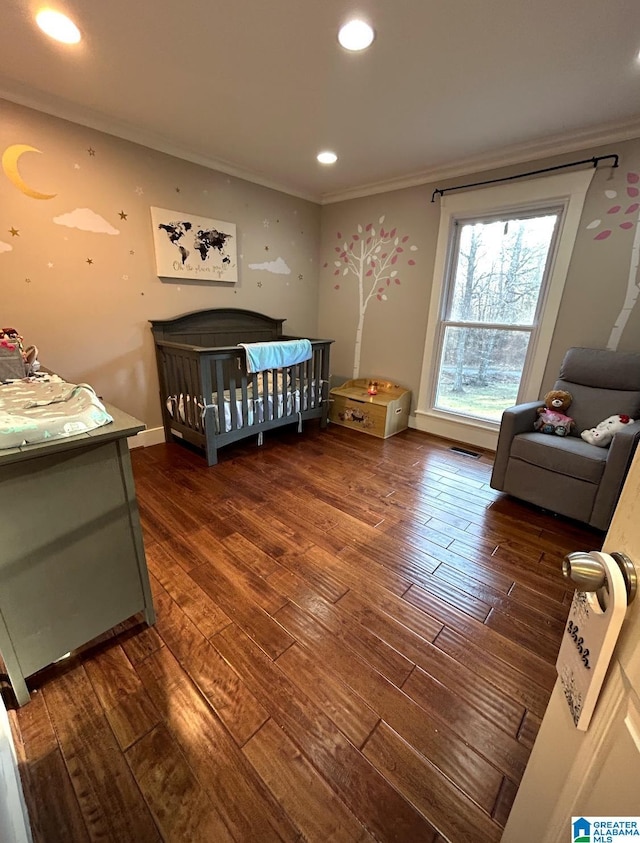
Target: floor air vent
466 453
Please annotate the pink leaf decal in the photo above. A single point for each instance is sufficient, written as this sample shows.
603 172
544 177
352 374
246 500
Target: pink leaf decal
603 235
394 259
411 263
399 249
337 272
369 227
381 289
368 240
633 191
626 225
339 236
356 237
379 297
614 209
405 238
633 178
397 280
370 272
337 287
383 256
632 208
392 233
350 246
338 249
388 281
325 265
382 233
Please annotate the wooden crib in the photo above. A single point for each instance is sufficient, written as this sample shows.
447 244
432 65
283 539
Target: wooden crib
209 399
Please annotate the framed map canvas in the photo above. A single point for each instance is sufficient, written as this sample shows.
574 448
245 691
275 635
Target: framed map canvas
192 247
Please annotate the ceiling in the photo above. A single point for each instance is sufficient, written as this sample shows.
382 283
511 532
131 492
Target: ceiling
257 88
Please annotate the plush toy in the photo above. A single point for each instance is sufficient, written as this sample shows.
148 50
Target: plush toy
603 433
552 417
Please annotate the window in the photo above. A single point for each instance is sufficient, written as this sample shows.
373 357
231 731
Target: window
493 296
493 329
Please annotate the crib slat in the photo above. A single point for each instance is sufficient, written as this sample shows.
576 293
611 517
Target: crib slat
233 400
246 419
218 389
196 392
266 404
187 391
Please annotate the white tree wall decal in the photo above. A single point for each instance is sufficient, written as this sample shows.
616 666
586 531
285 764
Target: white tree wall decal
371 256
633 281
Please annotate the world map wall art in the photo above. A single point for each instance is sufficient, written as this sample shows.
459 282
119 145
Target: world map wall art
192 247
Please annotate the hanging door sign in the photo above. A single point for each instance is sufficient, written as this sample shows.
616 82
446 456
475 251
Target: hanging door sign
590 635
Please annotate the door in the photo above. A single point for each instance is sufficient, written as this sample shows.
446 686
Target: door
597 772
14 819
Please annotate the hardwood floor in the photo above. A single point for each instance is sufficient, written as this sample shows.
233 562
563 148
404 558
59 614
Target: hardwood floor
355 641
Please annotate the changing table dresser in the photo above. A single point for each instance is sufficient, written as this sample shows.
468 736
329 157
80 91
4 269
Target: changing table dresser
381 414
72 561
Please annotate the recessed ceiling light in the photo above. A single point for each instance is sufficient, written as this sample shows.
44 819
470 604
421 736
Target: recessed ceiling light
58 26
356 35
327 157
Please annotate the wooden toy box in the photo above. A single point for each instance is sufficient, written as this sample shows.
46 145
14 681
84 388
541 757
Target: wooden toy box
381 415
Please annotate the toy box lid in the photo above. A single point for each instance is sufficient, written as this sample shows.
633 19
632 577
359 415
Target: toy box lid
366 387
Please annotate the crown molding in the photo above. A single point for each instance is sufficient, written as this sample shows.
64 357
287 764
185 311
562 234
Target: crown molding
554 145
57 107
506 157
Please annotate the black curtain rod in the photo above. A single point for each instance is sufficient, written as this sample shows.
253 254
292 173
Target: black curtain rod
594 161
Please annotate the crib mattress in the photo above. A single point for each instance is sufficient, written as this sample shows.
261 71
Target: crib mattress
36 411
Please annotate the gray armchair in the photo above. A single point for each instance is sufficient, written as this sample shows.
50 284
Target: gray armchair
564 473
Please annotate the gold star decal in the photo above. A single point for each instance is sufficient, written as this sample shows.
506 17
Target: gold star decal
91 151
123 216
89 261
14 232
266 248
259 283
177 190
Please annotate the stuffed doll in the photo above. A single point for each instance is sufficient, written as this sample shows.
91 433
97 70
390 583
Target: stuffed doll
603 433
552 417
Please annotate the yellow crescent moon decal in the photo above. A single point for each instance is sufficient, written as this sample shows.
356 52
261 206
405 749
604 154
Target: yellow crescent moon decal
10 159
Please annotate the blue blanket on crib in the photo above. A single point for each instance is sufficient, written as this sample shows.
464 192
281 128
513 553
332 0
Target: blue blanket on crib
275 355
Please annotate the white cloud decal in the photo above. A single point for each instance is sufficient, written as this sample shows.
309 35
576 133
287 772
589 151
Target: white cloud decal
279 266
5 247
86 220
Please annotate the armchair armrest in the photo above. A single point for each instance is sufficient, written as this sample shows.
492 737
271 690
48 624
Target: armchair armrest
515 420
619 458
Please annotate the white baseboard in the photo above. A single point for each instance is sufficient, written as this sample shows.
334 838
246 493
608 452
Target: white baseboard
146 438
467 434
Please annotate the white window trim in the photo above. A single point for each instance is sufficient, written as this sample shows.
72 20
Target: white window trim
569 190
